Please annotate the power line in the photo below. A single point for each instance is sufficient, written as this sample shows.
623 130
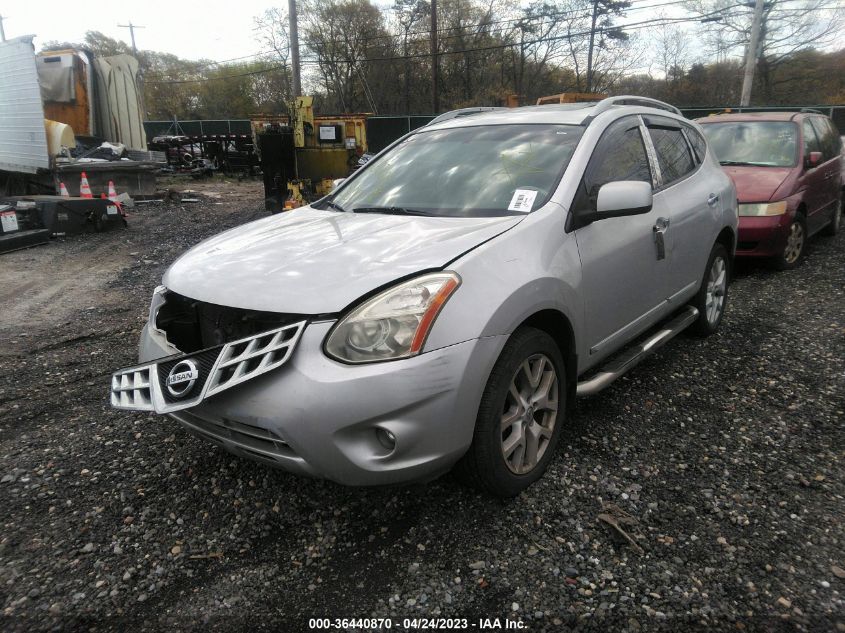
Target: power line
630 27
527 19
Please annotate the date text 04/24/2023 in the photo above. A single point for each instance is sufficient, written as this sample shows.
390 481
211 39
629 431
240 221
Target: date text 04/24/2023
411 624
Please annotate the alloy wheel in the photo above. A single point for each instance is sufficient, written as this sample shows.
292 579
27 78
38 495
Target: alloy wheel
794 243
530 414
717 283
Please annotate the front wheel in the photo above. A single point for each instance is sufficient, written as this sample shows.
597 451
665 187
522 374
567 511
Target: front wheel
796 239
712 296
520 417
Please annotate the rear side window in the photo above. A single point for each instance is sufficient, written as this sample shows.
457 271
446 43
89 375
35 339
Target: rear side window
673 153
619 155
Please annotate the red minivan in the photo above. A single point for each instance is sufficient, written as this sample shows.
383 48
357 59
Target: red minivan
787 171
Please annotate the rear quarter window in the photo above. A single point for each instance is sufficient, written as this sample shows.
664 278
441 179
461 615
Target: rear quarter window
699 145
673 154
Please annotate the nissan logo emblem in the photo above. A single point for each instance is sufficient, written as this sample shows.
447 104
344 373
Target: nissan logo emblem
182 378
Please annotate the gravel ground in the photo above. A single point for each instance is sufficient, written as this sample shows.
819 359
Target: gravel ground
726 454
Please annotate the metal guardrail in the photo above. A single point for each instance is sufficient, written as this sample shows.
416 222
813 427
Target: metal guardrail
197 128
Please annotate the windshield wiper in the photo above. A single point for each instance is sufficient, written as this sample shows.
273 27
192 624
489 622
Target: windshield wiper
334 205
390 210
740 163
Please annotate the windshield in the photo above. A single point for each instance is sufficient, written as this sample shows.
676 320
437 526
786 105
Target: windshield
763 143
468 171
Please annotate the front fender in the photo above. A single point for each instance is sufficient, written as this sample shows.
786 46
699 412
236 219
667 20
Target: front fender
533 267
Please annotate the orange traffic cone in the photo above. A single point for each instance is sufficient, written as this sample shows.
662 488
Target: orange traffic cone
84 187
63 190
112 191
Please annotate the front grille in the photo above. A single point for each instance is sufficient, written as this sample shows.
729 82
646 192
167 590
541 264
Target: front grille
195 325
255 440
132 390
241 360
145 388
205 363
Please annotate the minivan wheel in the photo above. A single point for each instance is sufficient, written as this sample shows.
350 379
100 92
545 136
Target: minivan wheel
796 240
712 297
520 417
832 227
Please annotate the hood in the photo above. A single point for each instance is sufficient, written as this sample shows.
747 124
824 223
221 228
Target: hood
309 261
757 184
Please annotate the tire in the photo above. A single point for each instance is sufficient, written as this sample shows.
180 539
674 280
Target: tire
832 227
796 243
530 361
712 297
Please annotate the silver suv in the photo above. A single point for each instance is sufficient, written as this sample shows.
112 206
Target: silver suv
446 304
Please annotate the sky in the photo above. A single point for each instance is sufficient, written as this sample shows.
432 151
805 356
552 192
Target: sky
212 29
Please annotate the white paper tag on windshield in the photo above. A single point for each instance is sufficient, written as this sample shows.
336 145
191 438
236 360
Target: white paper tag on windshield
523 200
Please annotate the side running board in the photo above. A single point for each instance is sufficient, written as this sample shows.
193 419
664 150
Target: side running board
631 357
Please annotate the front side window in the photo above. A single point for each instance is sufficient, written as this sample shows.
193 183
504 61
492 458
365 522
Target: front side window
619 155
827 138
490 170
673 153
811 140
760 143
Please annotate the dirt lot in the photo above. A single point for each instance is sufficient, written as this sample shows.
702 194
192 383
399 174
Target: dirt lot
728 452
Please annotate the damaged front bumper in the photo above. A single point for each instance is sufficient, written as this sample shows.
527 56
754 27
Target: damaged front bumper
181 381
372 424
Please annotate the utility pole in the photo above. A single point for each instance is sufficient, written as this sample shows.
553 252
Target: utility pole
132 28
751 53
294 49
2 32
141 98
590 48
435 96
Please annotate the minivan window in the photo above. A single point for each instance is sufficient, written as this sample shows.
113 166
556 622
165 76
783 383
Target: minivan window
762 143
827 138
489 170
673 154
811 139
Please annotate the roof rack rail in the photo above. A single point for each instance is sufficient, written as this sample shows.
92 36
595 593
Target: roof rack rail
646 102
454 114
813 110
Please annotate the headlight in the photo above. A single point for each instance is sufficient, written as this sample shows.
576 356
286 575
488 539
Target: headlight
158 301
763 208
393 324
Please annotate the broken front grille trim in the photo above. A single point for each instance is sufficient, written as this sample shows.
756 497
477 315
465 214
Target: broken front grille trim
139 388
132 390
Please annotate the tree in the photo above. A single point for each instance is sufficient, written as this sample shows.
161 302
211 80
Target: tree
787 28
342 34
408 14
271 27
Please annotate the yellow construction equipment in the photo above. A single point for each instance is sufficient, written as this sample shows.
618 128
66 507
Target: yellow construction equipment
571 97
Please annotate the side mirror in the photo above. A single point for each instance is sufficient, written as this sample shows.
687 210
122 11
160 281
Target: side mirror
625 197
337 182
813 159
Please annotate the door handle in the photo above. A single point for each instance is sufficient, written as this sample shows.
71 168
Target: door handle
661 224
659 229
712 199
